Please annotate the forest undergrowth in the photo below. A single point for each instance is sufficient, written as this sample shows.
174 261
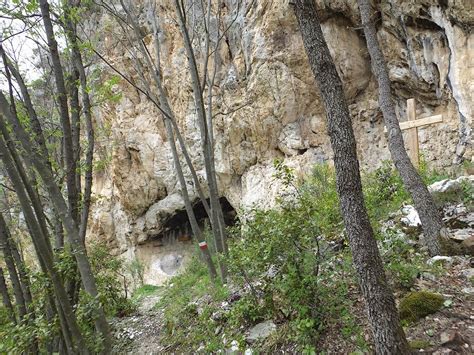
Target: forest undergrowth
292 270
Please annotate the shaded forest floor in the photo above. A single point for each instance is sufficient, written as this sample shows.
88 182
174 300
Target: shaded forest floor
448 331
281 306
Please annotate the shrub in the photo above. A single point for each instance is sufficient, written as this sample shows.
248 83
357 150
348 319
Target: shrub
289 264
417 305
383 191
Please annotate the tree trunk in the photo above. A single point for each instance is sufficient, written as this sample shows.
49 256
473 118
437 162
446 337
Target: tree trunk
431 221
219 235
70 161
6 297
383 316
12 271
170 123
189 208
40 241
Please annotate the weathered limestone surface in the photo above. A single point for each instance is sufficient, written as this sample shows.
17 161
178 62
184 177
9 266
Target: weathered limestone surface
267 106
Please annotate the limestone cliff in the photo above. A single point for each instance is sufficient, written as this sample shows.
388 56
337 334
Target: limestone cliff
267 106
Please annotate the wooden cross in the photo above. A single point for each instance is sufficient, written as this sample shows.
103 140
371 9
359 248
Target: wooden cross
411 125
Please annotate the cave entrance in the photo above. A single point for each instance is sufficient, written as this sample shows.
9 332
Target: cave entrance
178 228
166 253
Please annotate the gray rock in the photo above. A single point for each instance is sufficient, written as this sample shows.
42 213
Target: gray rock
440 259
461 235
261 331
468 273
450 190
428 276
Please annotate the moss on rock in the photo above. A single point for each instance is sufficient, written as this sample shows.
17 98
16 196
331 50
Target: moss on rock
418 344
417 305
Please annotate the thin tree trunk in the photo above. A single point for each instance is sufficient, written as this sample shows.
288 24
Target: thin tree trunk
12 272
72 85
6 297
29 183
433 227
20 264
18 278
70 160
383 316
219 236
40 241
189 208
87 108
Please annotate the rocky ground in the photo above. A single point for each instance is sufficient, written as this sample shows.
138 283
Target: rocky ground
139 333
451 330
448 331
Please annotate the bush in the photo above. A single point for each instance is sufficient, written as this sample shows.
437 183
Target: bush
109 271
383 191
291 265
417 305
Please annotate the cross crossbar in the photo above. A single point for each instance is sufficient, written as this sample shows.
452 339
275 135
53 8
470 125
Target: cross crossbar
425 121
411 126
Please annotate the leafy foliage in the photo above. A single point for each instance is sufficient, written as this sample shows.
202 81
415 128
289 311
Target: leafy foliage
108 270
291 264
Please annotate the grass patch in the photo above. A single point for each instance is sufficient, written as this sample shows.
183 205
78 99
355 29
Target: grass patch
144 291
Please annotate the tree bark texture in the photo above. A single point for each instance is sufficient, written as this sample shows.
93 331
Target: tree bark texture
42 247
6 297
383 316
431 221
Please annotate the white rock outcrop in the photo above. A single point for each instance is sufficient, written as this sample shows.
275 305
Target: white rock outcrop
269 106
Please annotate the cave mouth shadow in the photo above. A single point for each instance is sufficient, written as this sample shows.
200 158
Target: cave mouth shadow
178 228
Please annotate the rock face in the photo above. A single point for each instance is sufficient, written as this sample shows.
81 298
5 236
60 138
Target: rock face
267 106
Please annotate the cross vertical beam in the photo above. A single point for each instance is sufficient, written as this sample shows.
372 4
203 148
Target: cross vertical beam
412 135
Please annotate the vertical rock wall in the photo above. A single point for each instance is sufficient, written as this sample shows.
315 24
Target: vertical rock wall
267 106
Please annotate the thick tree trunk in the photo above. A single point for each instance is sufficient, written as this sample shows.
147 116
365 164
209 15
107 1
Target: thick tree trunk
388 335
431 221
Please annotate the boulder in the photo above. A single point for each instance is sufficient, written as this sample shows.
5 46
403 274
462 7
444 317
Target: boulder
410 220
450 190
261 331
461 235
468 244
440 259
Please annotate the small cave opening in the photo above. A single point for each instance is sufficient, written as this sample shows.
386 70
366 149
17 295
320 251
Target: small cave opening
178 229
